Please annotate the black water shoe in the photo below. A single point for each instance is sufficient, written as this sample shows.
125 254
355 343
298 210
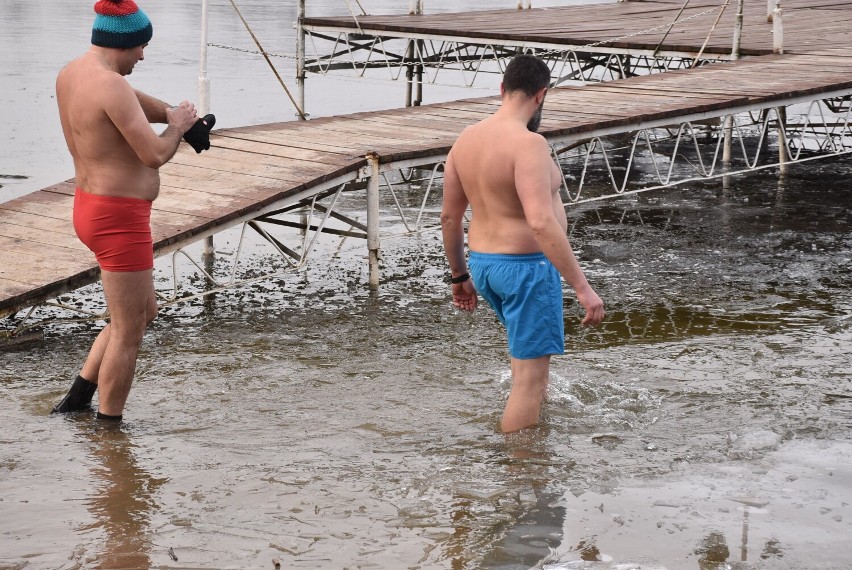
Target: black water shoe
108 418
78 398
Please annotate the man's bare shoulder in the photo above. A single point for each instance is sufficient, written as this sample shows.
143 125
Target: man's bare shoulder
96 77
527 144
477 133
468 132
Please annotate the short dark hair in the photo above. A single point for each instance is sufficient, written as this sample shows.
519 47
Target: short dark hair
526 73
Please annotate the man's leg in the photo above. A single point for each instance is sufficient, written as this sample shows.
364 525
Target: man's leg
79 397
96 354
132 305
529 384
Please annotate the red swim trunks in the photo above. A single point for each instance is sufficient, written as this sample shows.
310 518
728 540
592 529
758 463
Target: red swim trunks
116 229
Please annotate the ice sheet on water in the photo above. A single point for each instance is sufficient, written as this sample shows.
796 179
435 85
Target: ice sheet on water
748 444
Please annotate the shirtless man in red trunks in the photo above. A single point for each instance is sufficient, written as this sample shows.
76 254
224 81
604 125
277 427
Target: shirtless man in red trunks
117 155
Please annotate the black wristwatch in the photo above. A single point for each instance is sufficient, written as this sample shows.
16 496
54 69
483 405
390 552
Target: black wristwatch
460 279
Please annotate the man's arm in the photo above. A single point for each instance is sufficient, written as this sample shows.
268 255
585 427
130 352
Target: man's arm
453 208
126 113
532 180
154 109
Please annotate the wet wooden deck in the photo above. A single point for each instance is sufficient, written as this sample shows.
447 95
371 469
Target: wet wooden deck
808 25
252 168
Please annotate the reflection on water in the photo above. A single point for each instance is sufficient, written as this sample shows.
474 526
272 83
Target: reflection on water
122 500
713 552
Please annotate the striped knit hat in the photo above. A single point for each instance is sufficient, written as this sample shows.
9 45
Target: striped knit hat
120 24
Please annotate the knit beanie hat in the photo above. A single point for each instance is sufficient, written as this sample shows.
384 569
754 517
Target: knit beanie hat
120 24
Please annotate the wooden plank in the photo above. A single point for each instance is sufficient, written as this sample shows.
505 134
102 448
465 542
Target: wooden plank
166 225
37 223
40 239
44 289
10 287
301 135
43 203
250 165
284 146
272 149
40 264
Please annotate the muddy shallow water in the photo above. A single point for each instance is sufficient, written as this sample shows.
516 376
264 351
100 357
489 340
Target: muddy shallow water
304 420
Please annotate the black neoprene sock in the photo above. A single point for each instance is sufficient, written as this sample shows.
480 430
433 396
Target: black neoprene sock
101 416
79 397
198 136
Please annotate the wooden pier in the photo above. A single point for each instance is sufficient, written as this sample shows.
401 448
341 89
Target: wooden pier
253 171
635 26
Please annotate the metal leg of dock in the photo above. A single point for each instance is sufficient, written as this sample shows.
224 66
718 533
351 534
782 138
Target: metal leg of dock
727 132
781 114
300 60
208 255
373 242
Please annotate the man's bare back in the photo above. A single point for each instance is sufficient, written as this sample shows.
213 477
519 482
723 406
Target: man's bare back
490 159
503 171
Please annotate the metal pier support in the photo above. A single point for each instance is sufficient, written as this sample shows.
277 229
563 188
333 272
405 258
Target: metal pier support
728 123
414 72
409 73
777 28
727 143
373 242
300 59
781 112
783 159
204 108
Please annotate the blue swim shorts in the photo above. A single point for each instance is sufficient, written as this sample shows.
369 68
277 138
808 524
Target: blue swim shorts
525 291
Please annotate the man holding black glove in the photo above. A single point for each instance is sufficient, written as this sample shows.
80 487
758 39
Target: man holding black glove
117 156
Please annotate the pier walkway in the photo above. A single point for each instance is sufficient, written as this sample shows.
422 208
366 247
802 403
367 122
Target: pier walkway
261 177
589 42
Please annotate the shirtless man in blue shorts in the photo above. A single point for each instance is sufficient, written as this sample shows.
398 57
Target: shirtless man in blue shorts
518 241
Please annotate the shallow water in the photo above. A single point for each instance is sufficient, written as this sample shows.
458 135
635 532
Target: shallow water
304 420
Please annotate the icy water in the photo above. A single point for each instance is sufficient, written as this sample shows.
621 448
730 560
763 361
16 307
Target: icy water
305 421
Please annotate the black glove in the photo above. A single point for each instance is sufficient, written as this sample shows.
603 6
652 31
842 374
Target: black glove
198 136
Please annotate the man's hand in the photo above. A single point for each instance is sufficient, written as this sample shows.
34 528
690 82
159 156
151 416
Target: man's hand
594 307
182 117
464 295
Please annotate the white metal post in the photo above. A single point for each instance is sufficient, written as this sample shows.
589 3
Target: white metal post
728 123
780 112
373 241
738 31
203 80
414 73
777 28
300 59
727 133
204 107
